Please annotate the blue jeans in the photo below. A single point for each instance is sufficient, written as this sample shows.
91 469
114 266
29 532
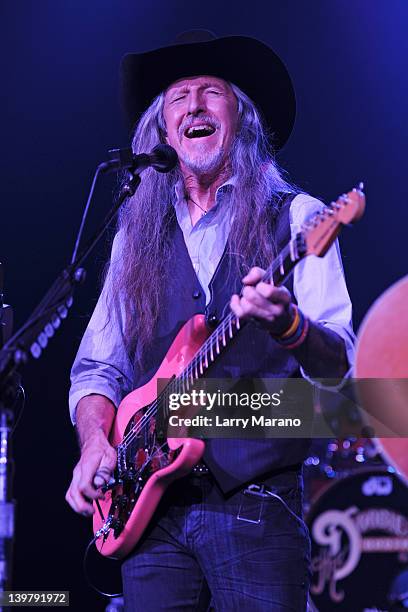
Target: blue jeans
203 551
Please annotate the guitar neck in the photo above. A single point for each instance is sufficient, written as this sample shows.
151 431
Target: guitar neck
230 326
286 261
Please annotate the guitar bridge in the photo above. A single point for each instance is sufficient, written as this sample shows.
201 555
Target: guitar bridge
114 482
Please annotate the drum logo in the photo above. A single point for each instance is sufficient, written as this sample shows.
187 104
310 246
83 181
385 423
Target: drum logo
377 485
341 537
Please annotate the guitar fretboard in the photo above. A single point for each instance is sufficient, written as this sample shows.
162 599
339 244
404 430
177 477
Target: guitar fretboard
218 340
229 327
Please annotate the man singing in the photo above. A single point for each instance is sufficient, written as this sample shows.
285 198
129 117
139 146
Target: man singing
186 242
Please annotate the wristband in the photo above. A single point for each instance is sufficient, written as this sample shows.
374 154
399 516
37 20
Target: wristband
297 333
302 336
293 327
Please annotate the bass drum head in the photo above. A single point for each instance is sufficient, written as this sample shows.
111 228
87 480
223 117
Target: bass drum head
359 533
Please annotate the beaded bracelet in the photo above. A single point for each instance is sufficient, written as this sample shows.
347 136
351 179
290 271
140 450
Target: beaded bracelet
297 332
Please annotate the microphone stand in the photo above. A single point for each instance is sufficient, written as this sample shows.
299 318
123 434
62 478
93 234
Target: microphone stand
30 340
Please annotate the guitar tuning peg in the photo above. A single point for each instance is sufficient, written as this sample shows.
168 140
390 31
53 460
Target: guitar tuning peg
359 187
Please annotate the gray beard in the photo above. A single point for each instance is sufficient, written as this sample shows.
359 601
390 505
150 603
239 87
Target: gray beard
204 163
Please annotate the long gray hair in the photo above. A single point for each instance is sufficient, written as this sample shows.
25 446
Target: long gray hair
141 270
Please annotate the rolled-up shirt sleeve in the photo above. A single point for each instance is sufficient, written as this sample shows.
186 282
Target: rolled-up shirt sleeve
319 284
102 364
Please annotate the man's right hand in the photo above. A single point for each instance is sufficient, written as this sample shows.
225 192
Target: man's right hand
93 470
94 417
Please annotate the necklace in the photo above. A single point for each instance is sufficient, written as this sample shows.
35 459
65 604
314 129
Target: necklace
198 205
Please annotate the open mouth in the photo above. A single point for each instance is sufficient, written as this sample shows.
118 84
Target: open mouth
199 131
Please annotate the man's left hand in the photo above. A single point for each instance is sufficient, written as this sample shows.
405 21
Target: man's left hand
270 306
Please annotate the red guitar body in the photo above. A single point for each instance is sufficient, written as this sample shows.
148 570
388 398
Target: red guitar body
133 510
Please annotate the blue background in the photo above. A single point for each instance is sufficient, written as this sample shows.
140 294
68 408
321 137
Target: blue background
60 114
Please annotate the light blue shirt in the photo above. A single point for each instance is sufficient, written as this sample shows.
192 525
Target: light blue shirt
102 364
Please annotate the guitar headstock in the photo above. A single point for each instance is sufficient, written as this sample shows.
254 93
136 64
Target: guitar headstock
323 228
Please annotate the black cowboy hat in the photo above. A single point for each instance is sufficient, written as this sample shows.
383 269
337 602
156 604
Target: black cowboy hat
244 61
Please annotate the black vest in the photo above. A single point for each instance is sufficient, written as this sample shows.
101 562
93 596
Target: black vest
253 354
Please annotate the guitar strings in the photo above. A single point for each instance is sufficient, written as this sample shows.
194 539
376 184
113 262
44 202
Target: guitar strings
219 333
130 436
278 263
152 410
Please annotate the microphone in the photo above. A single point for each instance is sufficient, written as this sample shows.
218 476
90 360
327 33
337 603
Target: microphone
163 158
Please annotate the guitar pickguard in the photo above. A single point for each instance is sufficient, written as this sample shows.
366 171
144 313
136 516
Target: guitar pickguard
138 460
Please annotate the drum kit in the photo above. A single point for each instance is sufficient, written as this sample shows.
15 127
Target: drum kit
357 513
356 489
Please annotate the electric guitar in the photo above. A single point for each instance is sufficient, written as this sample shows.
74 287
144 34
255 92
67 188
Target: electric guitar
147 460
